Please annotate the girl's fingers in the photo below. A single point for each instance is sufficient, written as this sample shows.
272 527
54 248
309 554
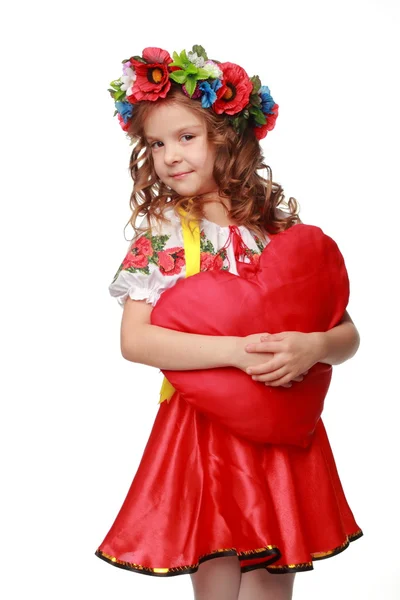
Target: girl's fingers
268 377
271 367
274 370
272 347
299 378
282 382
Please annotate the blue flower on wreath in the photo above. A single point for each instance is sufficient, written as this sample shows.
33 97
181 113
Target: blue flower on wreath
267 103
125 109
209 95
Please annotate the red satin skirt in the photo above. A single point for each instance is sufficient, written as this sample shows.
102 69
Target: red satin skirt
200 493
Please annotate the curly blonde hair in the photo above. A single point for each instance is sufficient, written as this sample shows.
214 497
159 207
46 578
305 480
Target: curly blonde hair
254 199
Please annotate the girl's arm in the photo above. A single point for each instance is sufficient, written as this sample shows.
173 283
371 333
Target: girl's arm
339 343
296 352
148 344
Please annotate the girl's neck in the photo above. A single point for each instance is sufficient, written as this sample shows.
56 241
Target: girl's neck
216 209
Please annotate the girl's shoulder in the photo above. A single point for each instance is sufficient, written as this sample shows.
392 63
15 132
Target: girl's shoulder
160 234
153 262
167 226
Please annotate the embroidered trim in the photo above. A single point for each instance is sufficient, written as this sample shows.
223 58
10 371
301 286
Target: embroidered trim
270 552
308 566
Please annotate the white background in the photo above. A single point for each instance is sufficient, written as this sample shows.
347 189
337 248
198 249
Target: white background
76 415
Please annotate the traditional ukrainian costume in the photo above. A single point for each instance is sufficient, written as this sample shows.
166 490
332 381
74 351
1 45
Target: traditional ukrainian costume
201 492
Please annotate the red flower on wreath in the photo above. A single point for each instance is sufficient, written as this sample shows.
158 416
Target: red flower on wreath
152 78
261 132
138 254
234 94
171 260
125 126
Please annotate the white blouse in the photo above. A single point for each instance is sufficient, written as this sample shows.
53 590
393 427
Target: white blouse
156 261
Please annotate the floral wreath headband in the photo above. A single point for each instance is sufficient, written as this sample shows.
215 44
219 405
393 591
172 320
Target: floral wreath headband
224 88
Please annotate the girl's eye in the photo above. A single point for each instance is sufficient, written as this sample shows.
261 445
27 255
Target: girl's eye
187 137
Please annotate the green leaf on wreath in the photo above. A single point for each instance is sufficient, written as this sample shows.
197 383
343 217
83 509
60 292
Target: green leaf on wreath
236 122
177 61
140 59
203 74
255 100
120 95
184 58
242 126
200 51
190 85
255 80
191 69
178 76
258 116
116 84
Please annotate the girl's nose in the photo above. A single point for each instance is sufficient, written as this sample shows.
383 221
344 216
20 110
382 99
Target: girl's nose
171 155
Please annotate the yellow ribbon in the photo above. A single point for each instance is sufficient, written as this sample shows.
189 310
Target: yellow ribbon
191 244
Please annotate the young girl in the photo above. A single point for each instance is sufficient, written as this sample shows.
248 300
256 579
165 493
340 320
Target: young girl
200 492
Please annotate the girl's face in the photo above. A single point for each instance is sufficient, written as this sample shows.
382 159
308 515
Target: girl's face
182 154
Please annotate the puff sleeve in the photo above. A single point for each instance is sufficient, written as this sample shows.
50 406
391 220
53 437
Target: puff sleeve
154 262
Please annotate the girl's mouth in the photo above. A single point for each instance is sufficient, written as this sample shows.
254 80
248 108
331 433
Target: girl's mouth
181 175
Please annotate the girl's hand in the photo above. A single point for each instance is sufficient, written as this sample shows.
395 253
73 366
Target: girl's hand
241 359
299 378
294 353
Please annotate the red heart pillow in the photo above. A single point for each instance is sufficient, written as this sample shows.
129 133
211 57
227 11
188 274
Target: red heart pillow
299 284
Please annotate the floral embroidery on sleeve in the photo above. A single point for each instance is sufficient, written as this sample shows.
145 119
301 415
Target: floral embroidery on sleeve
171 260
150 249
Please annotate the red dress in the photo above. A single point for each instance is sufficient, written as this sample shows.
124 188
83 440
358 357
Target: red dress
201 492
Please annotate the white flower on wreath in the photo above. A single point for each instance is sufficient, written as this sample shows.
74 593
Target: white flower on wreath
128 79
195 59
213 69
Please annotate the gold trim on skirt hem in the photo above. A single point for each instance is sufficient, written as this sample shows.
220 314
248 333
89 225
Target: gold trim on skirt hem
270 552
315 556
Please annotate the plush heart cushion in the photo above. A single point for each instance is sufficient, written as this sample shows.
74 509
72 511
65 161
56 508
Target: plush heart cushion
299 284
